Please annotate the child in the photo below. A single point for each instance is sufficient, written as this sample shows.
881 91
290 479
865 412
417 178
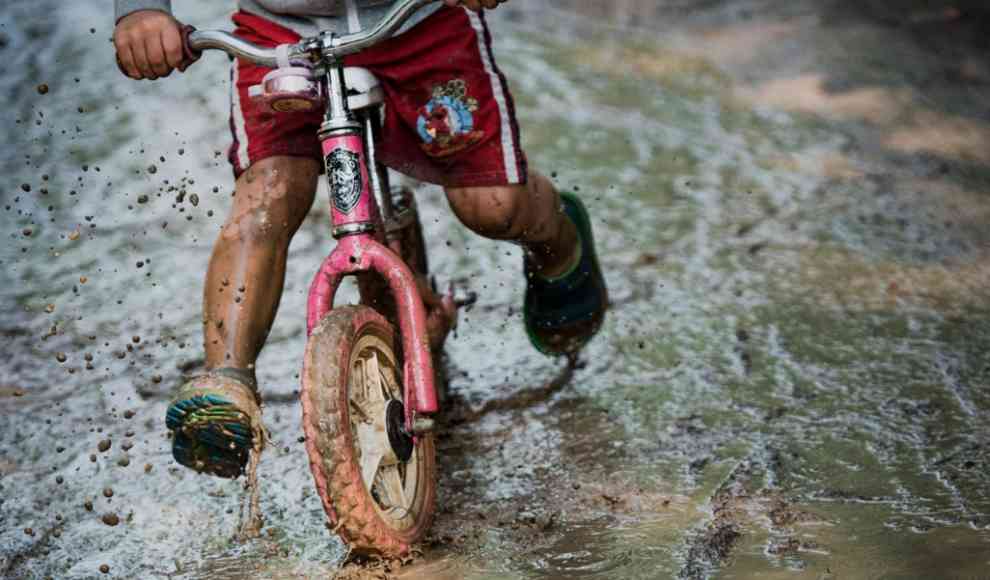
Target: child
440 63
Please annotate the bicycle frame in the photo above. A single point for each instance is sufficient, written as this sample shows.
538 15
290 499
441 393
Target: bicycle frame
358 198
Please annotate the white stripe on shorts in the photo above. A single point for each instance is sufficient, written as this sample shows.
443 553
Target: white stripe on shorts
240 133
508 140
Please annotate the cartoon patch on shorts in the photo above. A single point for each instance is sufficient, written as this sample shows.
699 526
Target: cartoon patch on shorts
446 122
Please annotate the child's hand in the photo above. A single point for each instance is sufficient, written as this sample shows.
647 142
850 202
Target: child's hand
149 44
476 5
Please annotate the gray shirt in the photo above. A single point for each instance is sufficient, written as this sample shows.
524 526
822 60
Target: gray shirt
305 17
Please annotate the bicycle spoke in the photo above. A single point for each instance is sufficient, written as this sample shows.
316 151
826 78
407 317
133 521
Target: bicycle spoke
358 412
359 392
391 482
391 388
373 378
371 453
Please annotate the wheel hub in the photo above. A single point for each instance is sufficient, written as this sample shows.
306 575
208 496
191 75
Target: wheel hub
399 440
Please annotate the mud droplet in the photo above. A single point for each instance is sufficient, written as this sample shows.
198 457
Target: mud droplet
152 169
128 414
59 479
60 357
123 462
104 568
29 531
27 232
147 468
83 279
107 492
88 505
104 445
142 199
110 519
156 379
49 308
26 187
43 89
194 199
74 235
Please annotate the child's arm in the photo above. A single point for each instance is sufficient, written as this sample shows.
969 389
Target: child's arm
148 39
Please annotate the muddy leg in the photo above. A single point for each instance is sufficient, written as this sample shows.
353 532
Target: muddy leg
529 214
247 268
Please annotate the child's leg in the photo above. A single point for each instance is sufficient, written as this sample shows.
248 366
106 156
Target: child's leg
566 296
216 418
450 119
247 269
529 214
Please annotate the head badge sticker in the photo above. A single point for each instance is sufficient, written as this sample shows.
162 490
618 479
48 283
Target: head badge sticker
446 122
346 183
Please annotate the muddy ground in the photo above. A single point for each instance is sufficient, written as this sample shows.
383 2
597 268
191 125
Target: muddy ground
791 202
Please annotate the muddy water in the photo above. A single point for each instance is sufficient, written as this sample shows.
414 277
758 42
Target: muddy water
792 383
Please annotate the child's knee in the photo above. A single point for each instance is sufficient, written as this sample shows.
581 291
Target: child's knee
272 199
498 212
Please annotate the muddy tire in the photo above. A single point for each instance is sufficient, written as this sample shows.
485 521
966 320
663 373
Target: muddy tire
350 357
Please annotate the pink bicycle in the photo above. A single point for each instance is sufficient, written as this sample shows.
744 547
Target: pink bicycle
368 397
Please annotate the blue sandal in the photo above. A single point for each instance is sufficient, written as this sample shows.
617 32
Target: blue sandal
215 420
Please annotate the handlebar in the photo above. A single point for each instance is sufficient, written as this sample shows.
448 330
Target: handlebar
327 47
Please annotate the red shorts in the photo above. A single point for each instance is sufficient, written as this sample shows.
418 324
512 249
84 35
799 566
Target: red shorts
449 117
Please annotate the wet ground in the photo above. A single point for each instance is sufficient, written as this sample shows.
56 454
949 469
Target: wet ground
791 199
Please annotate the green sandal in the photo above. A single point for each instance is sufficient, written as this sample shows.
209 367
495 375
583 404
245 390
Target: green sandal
562 314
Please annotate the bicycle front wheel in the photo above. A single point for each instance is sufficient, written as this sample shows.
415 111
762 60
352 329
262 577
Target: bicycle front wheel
377 485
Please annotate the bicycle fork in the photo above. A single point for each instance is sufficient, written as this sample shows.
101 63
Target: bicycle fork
358 200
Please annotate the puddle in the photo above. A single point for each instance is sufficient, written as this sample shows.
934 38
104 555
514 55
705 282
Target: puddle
791 383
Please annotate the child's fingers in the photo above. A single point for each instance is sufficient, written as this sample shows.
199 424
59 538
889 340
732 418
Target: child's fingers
126 59
141 61
156 55
172 44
